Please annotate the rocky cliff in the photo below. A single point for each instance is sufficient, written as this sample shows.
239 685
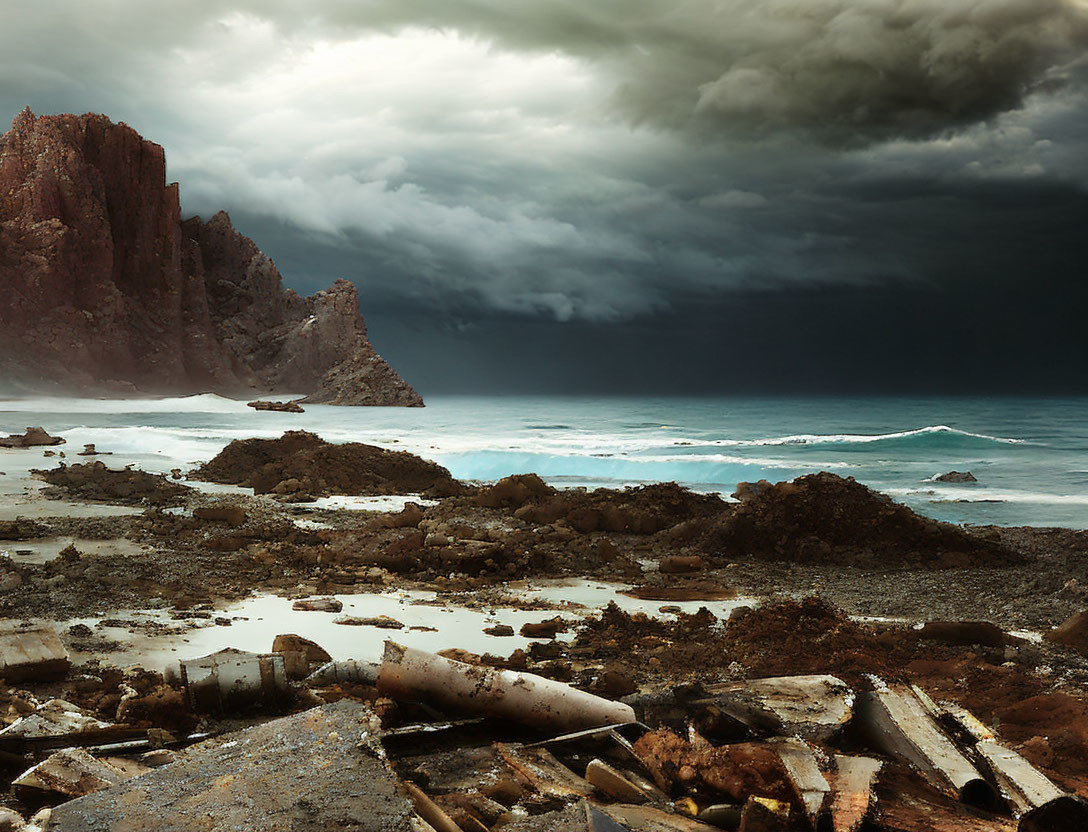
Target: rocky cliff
103 287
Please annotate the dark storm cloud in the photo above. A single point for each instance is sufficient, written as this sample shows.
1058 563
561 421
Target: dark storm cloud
699 194
847 69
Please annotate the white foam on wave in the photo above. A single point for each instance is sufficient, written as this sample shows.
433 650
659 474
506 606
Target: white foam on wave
200 403
861 438
984 495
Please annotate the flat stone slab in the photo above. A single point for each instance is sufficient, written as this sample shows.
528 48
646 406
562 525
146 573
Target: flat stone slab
305 771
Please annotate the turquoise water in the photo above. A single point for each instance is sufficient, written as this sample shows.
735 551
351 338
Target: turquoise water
1030 455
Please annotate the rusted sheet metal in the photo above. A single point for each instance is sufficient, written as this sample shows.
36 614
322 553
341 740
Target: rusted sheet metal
804 772
813 707
306 771
233 679
900 724
539 768
853 791
32 655
71 773
408 673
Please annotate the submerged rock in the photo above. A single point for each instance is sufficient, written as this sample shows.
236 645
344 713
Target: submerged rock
956 476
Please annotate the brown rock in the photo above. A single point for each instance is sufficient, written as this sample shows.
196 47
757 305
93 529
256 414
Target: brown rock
313 652
678 564
33 437
545 629
1072 632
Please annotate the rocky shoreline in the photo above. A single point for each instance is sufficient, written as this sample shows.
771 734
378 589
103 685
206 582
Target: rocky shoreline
839 577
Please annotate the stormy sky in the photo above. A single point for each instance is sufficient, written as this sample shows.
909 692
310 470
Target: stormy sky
646 196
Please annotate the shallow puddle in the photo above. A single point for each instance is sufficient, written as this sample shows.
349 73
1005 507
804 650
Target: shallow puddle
44 550
255 622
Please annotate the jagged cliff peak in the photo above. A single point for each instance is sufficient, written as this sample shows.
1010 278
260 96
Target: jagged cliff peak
104 287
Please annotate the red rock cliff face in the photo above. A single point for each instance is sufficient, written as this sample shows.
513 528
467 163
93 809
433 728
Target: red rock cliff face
103 287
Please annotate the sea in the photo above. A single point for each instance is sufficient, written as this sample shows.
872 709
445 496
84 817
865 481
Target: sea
1030 456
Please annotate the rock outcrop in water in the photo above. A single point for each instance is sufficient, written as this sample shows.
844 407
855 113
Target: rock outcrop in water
104 287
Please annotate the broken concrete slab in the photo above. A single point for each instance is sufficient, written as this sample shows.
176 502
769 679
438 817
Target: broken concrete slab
56 718
411 674
814 707
307 771
32 655
900 724
71 772
232 679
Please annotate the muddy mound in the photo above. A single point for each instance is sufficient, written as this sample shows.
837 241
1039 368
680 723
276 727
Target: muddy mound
824 518
303 463
643 510
94 481
810 636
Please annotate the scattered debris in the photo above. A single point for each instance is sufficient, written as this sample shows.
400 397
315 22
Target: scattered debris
71 772
899 723
234 679
56 718
814 707
35 654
